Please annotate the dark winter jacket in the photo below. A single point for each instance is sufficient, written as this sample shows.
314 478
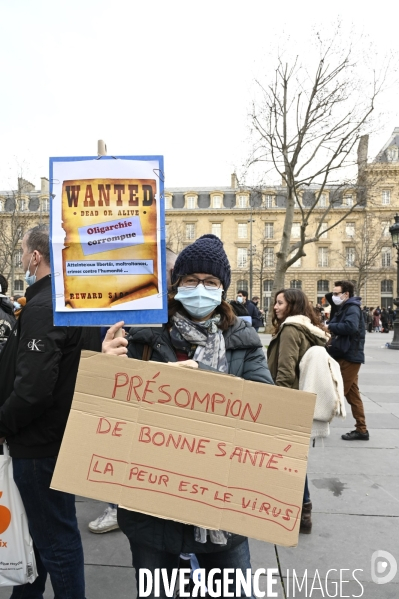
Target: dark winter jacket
348 321
7 320
287 348
38 369
384 318
253 311
245 359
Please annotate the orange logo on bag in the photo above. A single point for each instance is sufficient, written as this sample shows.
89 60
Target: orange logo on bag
5 517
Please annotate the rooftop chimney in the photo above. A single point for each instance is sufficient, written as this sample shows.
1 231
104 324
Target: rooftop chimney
44 185
234 181
25 186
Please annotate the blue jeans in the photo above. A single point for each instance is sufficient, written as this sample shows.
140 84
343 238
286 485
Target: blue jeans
54 530
145 557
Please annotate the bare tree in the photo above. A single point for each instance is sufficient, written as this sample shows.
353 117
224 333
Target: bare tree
263 254
15 220
362 257
307 127
175 236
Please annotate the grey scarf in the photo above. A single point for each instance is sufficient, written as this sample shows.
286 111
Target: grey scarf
204 342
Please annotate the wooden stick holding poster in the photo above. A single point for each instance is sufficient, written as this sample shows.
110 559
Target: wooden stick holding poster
107 240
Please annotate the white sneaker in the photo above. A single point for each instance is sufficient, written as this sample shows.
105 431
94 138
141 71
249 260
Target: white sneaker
104 523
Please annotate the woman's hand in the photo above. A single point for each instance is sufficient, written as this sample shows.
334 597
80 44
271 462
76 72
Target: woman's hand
185 364
114 341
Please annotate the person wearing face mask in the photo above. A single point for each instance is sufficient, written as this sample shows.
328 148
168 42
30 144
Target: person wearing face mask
347 348
242 298
202 332
38 369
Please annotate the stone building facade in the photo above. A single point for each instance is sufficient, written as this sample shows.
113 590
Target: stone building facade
358 248
250 225
20 210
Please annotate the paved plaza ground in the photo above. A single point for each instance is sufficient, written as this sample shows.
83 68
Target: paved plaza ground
354 487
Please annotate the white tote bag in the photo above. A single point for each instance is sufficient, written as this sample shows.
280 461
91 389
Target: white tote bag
17 558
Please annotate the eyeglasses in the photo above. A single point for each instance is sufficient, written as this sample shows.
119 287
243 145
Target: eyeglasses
192 282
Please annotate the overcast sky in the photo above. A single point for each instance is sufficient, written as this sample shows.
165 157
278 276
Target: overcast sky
164 77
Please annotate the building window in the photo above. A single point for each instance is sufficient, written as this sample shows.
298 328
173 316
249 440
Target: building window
350 230
392 153
18 285
23 205
268 256
242 201
269 201
296 230
322 286
168 203
350 257
217 230
323 200
217 201
45 204
385 224
269 230
2 205
267 293
386 197
385 256
386 293
242 285
190 202
242 257
387 286
323 228
296 264
190 231
322 257
17 258
242 231
296 284
348 200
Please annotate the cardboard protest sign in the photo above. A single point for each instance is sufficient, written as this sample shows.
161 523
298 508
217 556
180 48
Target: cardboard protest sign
202 448
107 241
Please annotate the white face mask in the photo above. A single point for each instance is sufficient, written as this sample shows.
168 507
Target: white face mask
337 300
240 299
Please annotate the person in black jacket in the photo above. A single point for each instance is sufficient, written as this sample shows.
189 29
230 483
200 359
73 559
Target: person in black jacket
347 348
38 369
242 297
203 333
7 318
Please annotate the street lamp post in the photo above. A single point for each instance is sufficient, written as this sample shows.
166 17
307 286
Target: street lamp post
394 231
252 250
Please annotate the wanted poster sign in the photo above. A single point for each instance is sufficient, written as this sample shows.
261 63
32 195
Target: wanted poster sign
107 241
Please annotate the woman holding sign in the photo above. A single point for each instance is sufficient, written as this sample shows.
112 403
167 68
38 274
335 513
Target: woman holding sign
202 332
297 327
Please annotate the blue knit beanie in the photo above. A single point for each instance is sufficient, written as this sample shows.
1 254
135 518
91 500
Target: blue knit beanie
205 255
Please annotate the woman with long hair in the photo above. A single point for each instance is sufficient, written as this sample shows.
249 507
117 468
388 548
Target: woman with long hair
202 332
297 327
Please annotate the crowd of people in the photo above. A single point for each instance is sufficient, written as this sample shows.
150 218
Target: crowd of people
379 320
38 369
